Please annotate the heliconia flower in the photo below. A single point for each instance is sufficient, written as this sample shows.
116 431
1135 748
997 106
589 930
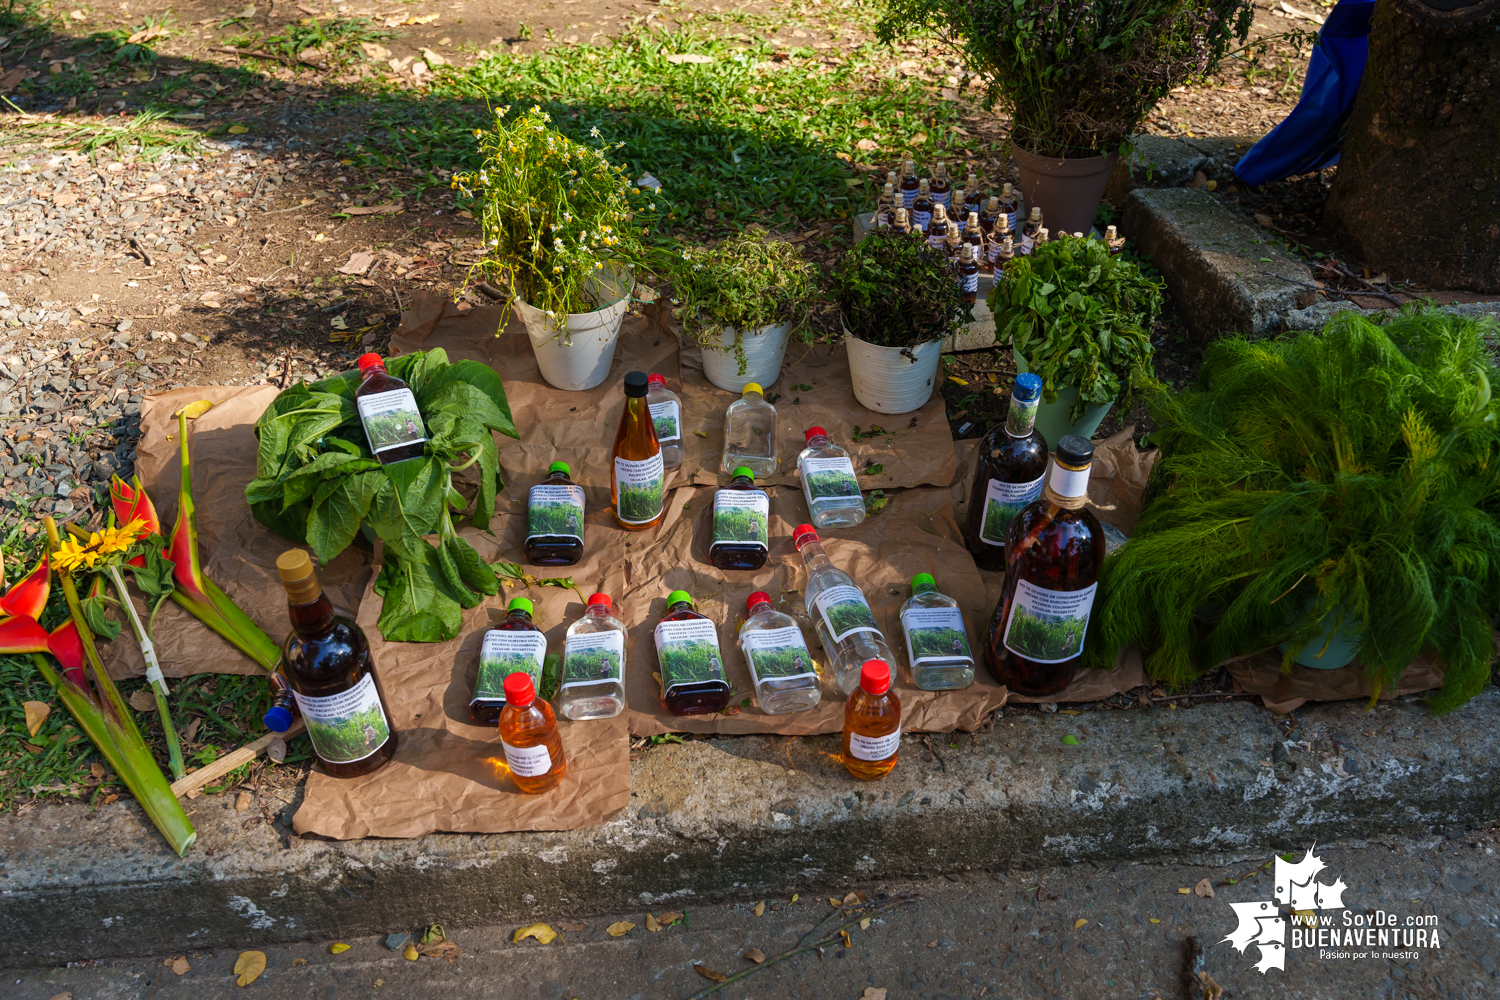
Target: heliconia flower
132 504
21 634
65 644
29 596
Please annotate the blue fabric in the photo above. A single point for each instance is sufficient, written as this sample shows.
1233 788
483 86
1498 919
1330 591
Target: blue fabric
1311 136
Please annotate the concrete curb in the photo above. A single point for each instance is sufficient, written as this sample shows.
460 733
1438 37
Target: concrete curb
746 817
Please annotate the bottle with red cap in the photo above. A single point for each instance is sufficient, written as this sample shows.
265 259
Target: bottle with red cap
508 646
666 415
388 410
782 671
829 483
528 735
872 723
593 668
845 624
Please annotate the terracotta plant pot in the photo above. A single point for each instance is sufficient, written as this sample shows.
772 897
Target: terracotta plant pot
1067 191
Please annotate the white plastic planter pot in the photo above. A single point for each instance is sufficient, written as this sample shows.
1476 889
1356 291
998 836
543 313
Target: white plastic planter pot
888 381
578 355
764 348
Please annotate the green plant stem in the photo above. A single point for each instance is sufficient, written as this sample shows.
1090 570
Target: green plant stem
153 674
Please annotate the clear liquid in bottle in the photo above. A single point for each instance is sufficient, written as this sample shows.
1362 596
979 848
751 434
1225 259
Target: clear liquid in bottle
666 415
750 433
845 624
937 643
782 671
828 483
593 667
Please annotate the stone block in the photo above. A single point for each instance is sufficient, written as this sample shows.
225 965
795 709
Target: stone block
1224 275
1159 161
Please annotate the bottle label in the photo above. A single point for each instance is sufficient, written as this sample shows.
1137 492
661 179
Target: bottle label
942 198
1010 220
994 250
347 726
688 653
1002 502
391 419
779 653
845 611
741 516
920 219
934 634
874 747
640 485
666 417
1026 244
1022 416
1048 626
527 762
828 477
937 240
971 282
553 511
907 198
1069 483
505 653
593 658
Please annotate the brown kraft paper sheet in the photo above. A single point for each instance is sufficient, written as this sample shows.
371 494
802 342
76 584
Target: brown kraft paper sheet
237 552
448 773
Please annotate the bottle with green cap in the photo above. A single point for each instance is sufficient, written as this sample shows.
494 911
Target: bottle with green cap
554 519
750 433
742 515
937 644
512 645
689 664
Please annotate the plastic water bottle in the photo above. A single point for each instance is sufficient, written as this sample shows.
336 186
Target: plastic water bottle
593 668
750 433
845 624
666 414
937 644
781 669
828 483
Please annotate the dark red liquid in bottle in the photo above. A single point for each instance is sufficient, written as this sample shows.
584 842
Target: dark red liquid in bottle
487 711
375 380
1013 453
694 698
562 542
739 554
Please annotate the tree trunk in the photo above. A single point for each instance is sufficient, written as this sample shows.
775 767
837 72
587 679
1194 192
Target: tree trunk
1417 193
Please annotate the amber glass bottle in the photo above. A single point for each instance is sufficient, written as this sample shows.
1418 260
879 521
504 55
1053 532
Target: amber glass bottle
388 411
941 186
512 645
528 733
1054 549
689 663
1012 467
554 519
909 184
921 206
328 665
872 723
637 479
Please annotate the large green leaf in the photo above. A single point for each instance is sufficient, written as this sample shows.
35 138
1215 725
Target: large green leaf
417 606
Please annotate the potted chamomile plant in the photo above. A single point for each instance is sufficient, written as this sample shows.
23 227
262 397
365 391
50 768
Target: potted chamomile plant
742 300
556 221
898 298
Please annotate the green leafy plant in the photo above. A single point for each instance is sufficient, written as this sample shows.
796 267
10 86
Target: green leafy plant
1077 76
554 213
1349 477
896 291
317 483
744 283
330 44
1081 319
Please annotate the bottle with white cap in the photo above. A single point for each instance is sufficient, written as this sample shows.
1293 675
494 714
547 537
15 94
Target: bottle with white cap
750 433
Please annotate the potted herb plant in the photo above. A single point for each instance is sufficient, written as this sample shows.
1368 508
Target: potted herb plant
1331 489
555 216
1082 320
741 300
899 298
1077 77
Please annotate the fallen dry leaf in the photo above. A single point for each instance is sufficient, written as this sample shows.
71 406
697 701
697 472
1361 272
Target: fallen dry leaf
298 961
62 996
250 965
932 944
867 144
379 982
410 953
541 932
688 57
1204 888
760 908
619 928
871 993
36 714
142 701
1079 922
708 973
195 409
919 138
864 924
759 109
834 901
669 918
651 924
1262 219
756 955
358 263
440 949
181 967
276 749
848 942
1184 892
96 769
853 899
242 802
571 926
338 949
191 731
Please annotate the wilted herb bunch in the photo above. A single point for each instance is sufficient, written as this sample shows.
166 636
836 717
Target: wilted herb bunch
1077 76
896 291
554 212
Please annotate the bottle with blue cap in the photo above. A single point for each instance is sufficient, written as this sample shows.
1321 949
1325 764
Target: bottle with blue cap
509 646
1012 466
937 643
750 433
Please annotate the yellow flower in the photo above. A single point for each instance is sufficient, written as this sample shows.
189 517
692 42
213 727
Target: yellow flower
73 554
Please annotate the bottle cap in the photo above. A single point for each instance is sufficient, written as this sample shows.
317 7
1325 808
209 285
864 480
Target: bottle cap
655 379
1075 450
560 467
874 676
755 600
1009 189
966 253
742 471
1110 232
278 719
1028 388
803 534
994 203
973 218
294 565
600 599
753 387
923 581
1042 234
635 384
370 361
1078 236
678 596
519 691
813 432
520 604
923 185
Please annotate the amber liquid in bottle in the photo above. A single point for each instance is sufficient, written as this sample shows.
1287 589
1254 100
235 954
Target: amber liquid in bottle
529 738
694 698
637 458
1012 462
406 423
1053 555
872 723
552 548
328 666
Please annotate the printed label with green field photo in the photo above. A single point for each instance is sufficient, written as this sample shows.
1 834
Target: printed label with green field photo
346 727
1002 502
593 657
741 516
776 652
1048 626
666 418
935 634
845 611
639 486
829 477
505 653
391 419
688 653
554 511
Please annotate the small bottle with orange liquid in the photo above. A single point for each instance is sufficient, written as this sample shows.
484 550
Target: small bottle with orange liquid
872 724
528 732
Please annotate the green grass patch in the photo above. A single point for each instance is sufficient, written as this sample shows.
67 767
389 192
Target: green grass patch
336 43
849 614
740 524
1043 637
939 642
831 483
351 737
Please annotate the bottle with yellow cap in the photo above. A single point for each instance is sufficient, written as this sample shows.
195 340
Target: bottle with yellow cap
509 646
750 433
332 677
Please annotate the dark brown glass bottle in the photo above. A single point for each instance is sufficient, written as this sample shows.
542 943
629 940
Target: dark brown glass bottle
1054 549
741 520
327 663
1012 466
940 186
688 660
554 519
510 646
908 185
388 411
921 206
